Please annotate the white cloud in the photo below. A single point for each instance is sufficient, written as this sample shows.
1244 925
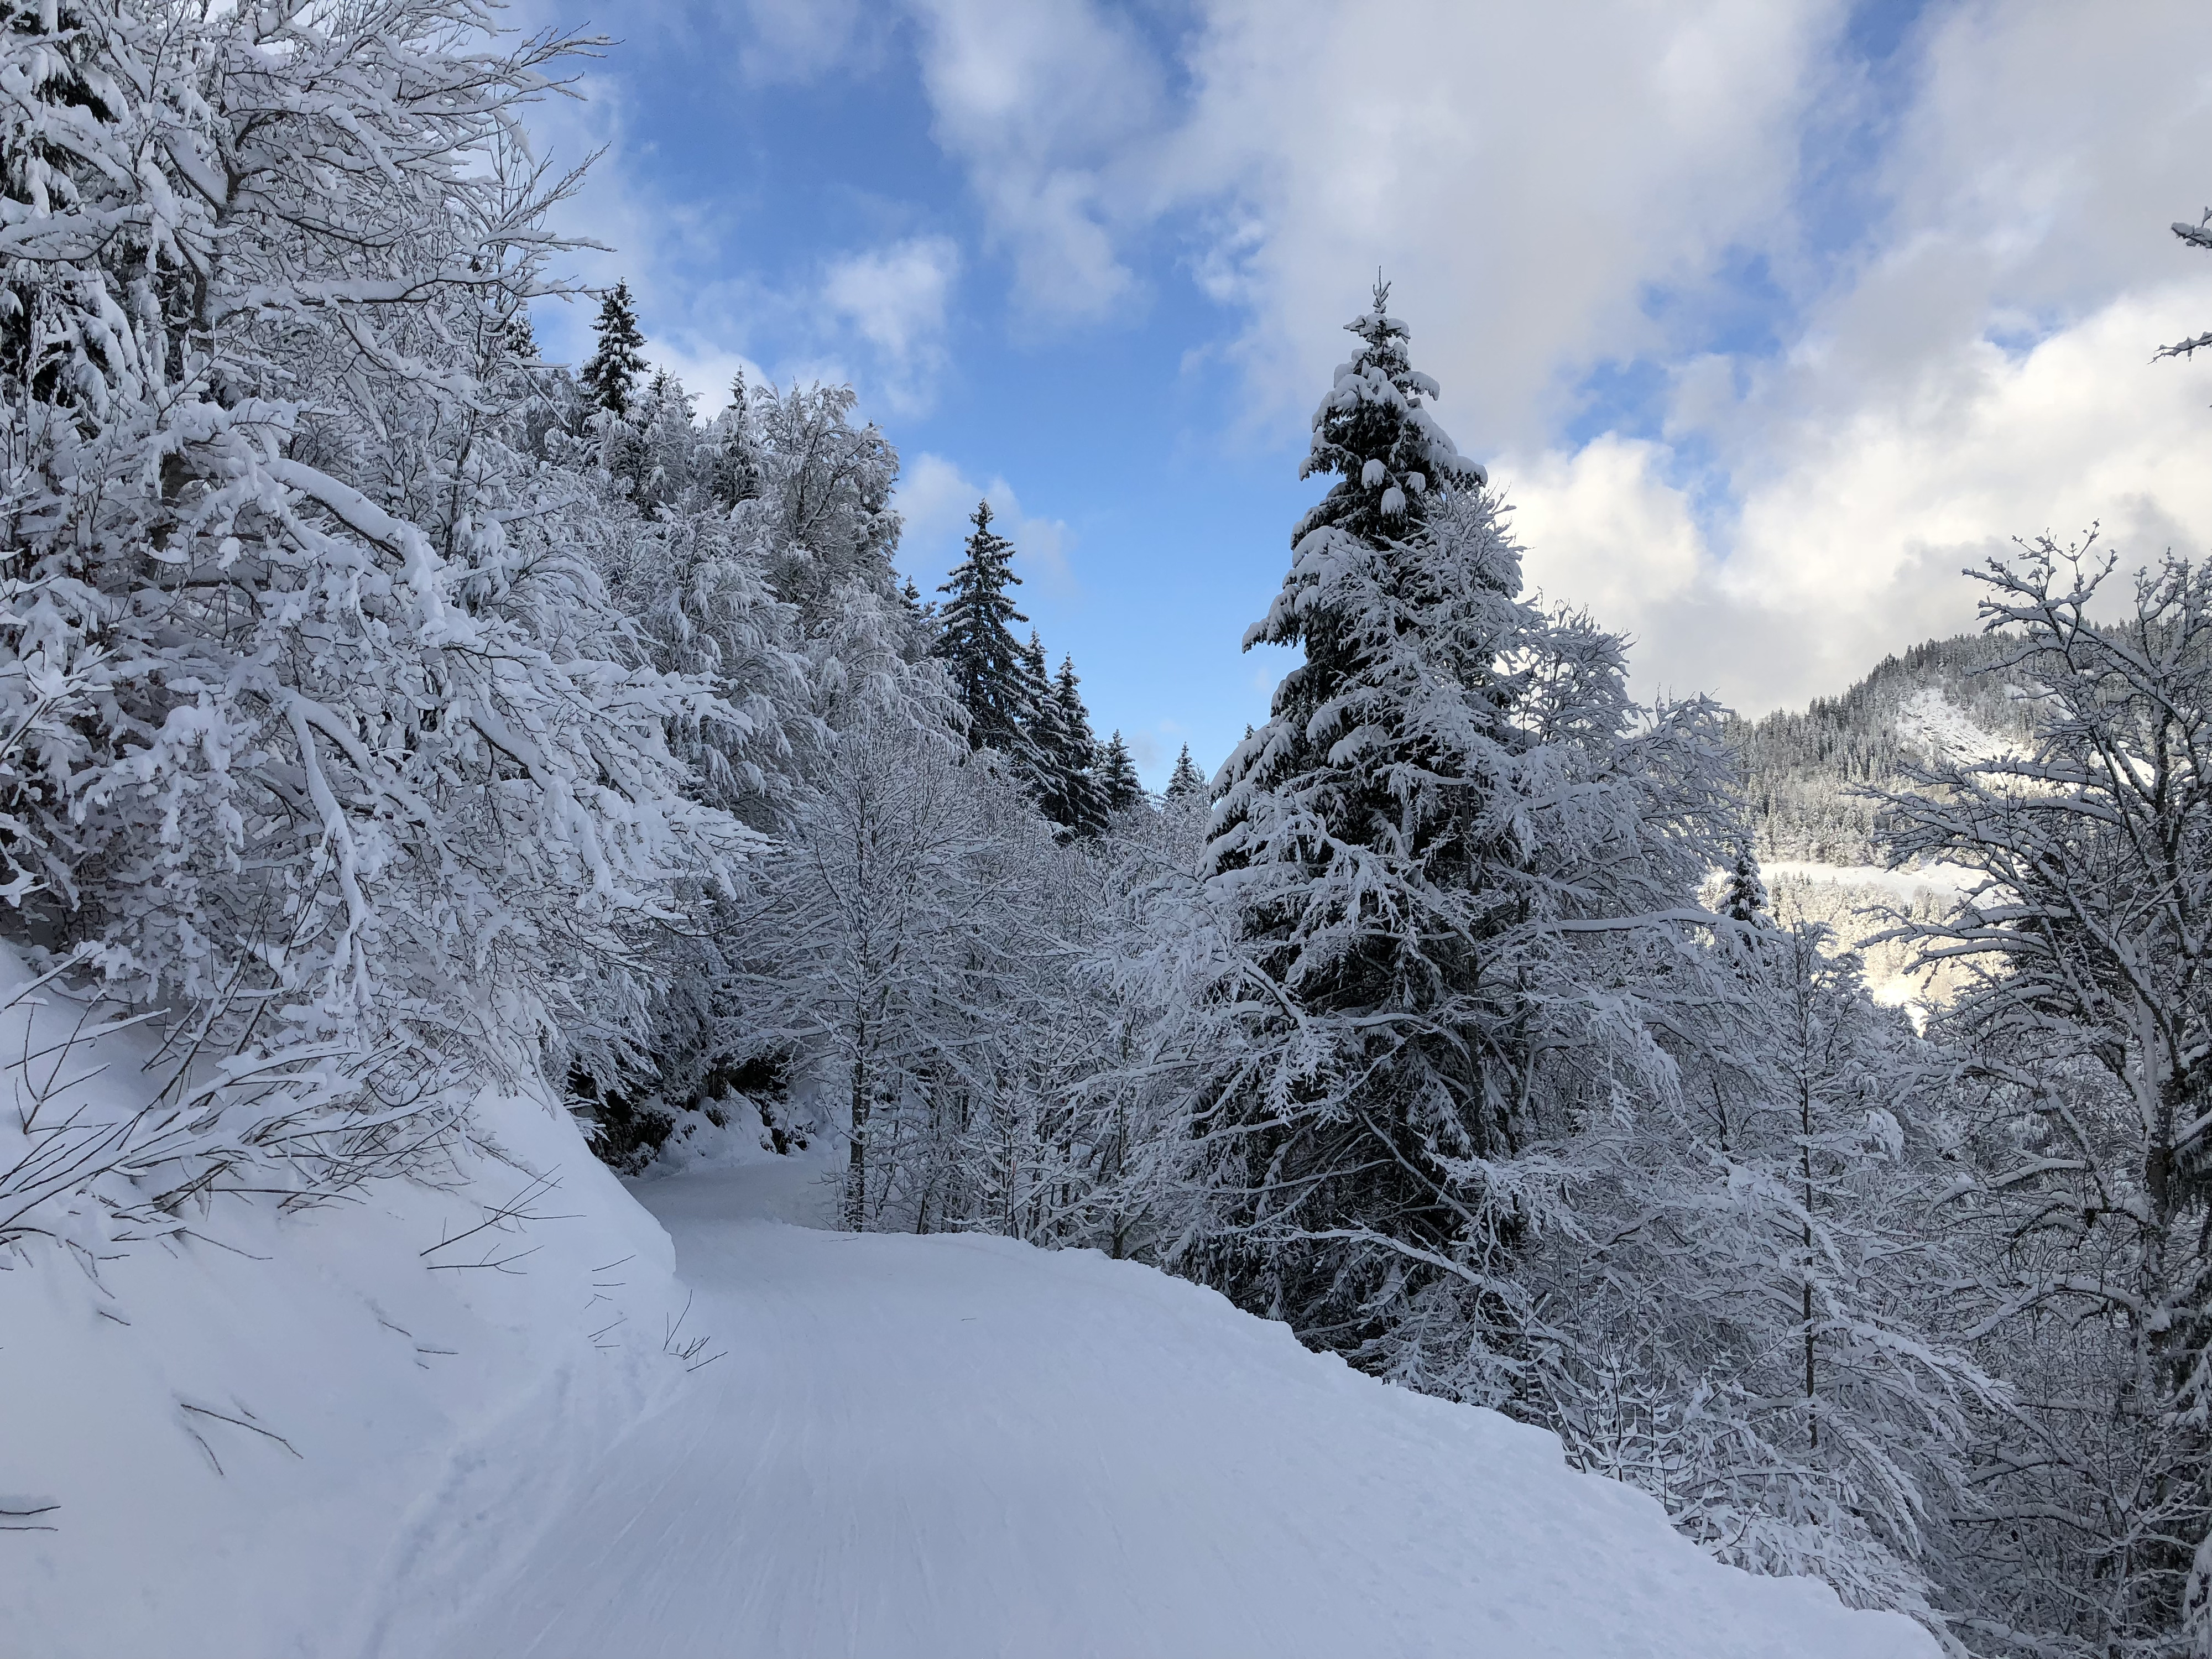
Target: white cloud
1852 533
1966 246
896 296
895 299
800 41
1049 105
936 498
1965 318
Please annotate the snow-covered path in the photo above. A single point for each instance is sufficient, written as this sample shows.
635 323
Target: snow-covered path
963 1446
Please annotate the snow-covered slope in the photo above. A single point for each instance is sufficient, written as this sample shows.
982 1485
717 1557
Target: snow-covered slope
320 1435
963 1446
1944 701
211 1440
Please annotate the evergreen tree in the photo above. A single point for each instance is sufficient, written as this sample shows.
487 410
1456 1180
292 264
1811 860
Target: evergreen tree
1364 846
1040 719
736 473
1066 757
1744 897
521 339
1420 859
1186 779
991 673
610 373
1117 776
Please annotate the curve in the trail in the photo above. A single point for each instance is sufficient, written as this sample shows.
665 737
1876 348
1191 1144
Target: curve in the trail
961 1446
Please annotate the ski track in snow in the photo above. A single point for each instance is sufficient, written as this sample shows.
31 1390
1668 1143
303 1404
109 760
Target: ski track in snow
960 1445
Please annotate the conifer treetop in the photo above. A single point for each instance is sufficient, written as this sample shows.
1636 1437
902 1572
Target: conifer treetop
611 372
1374 431
991 672
1187 778
1117 776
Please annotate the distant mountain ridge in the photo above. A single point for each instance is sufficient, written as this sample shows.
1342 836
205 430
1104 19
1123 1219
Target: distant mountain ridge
1938 700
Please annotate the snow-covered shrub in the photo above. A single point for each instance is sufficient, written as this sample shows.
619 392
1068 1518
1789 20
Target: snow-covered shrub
330 737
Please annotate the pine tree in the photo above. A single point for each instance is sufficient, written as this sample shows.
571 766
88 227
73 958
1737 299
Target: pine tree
991 673
610 373
1744 898
521 340
1041 736
1414 856
1068 789
1187 779
1117 776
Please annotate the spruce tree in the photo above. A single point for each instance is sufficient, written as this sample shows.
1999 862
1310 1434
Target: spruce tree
1117 776
521 340
1371 843
610 373
1744 897
1187 779
991 673
1067 754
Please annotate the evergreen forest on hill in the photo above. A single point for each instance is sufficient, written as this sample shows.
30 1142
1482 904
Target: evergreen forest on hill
384 710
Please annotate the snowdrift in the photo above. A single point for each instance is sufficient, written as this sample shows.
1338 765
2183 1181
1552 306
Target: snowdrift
223 1442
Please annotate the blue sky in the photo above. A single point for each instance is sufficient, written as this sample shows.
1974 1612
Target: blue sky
1768 317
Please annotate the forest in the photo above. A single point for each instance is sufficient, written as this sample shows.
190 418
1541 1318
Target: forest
386 709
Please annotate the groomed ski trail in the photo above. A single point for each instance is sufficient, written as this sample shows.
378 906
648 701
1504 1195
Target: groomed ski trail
958 1446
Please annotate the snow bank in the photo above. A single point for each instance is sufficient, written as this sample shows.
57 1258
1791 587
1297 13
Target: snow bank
234 1432
963 1446
310 1435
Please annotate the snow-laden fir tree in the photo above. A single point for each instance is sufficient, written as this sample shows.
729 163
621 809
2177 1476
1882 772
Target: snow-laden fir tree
609 375
1066 753
1371 843
1117 776
1186 779
1449 906
988 667
1743 892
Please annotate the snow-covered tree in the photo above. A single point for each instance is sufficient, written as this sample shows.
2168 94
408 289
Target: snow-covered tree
1186 779
1065 758
1117 776
1743 895
360 762
980 652
2088 1024
820 502
609 375
1756 1326
1443 819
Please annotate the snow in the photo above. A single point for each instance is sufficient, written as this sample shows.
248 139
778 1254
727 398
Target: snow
963 1445
1932 721
906 1446
236 1424
1939 880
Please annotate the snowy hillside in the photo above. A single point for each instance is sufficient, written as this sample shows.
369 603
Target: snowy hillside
331 1433
1936 703
963 1445
1819 848
213 1438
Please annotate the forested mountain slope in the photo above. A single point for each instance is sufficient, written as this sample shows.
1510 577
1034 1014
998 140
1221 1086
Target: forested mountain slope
1941 700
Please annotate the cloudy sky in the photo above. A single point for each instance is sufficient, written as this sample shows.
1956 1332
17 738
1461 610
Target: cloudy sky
1768 317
